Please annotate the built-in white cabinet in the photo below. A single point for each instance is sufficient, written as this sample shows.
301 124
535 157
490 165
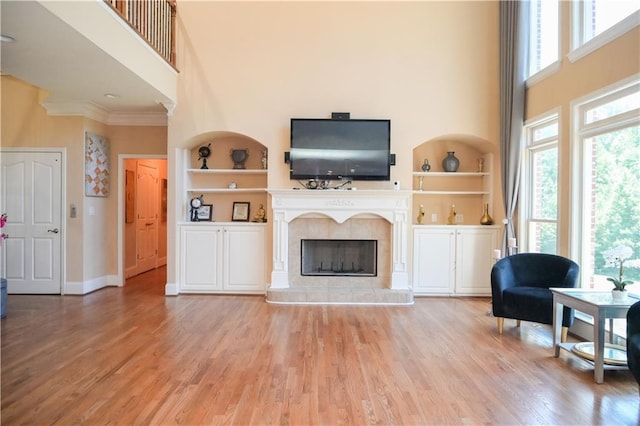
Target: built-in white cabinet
453 260
222 258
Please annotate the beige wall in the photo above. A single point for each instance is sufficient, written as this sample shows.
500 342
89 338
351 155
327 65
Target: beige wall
26 124
611 63
248 67
91 238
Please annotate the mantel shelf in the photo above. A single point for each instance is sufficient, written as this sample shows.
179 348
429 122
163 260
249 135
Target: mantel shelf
225 190
228 171
451 192
451 174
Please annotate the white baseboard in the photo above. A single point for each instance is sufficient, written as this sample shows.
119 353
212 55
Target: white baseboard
171 289
84 287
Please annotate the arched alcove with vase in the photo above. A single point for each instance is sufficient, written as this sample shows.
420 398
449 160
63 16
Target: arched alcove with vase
453 243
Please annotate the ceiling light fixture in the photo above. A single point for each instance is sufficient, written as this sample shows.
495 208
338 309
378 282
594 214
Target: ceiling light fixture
111 96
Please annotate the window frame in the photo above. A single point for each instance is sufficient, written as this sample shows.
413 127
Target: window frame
580 130
580 47
554 66
531 147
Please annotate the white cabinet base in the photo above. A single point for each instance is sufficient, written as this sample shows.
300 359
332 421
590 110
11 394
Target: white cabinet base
222 258
453 260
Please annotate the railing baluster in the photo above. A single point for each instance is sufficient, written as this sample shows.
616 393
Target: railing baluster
154 21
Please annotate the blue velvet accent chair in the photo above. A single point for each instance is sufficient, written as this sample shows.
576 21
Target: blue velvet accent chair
520 288
633 340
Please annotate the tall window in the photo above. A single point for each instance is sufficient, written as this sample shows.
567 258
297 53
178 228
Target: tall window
543 35
608 191
539 203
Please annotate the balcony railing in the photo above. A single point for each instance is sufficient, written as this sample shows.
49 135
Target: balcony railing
154 21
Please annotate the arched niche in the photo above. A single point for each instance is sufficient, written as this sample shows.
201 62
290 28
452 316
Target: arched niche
222 143
468 149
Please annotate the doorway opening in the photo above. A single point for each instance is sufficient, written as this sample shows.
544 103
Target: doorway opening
142 215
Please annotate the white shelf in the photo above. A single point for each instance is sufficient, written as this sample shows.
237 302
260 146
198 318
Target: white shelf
451 174
221 223
418 192
228 171
226 190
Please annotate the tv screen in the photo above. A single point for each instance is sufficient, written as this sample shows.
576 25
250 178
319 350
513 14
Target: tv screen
325 149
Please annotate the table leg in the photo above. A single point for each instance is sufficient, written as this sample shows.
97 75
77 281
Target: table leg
611 330
557 326
598 348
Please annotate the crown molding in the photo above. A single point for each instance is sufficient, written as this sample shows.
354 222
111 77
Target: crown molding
97 113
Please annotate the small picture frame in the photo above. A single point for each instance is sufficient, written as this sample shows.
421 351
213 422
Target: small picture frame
240 211
205 212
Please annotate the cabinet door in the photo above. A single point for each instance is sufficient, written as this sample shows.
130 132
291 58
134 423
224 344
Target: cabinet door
433 261
200 258
244 259
474 250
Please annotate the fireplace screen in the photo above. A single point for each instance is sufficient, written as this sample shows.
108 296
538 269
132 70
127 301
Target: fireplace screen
339 258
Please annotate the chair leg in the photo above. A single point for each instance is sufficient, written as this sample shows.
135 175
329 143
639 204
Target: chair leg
500 325
563 336
517 323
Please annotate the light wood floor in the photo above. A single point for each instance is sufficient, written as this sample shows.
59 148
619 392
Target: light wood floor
134 356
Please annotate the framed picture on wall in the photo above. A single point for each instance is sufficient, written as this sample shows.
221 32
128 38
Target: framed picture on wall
240 211
205 212
96 165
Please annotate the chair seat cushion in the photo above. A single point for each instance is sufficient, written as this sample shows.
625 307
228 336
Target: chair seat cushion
532 304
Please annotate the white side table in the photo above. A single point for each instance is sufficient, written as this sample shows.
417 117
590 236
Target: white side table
600 305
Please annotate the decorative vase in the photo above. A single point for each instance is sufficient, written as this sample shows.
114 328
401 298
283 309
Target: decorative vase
486 219
451 219
420 215
426 166
450 162
619 295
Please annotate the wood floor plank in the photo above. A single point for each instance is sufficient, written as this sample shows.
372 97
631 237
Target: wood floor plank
133 356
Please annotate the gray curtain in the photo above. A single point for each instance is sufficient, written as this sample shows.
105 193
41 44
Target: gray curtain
514 25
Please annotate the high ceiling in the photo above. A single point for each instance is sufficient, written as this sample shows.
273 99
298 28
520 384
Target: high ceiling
50 54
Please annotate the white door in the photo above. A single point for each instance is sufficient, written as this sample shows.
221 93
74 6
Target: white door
433 260
200 261
31 191
244 251
147 206
474 260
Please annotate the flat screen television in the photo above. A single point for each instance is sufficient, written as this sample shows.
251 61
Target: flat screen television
325 149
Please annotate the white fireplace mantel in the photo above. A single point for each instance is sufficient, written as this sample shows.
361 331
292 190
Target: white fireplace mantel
340 205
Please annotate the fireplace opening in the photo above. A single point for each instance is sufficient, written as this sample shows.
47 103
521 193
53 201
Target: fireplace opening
354 258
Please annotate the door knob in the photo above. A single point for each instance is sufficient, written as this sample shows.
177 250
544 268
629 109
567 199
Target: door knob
54 230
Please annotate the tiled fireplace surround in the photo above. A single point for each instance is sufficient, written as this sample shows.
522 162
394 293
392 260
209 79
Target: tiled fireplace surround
340 214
